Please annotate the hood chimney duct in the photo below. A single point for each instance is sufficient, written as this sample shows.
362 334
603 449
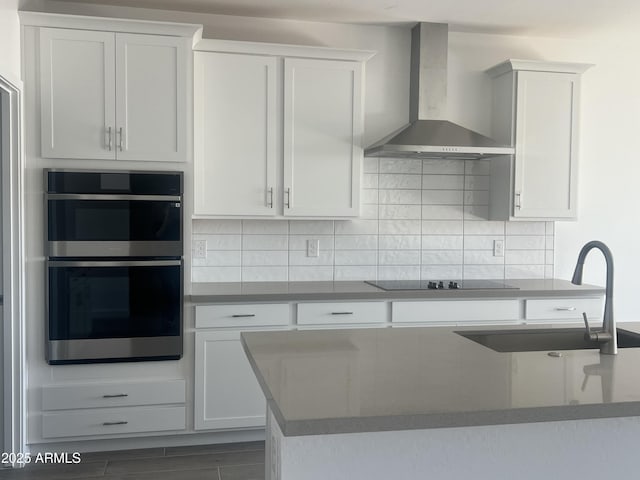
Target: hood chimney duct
428 78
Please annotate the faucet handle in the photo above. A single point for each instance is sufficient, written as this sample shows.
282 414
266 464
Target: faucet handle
598 335
586 322
589 336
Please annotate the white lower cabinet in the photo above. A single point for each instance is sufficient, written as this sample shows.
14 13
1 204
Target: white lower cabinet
113 408
241 316
342 313
113 421
227 394
116 394
563 309
456 312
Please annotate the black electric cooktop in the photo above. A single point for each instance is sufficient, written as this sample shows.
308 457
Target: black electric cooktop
441 285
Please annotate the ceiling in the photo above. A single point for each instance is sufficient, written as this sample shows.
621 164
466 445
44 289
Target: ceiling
536 17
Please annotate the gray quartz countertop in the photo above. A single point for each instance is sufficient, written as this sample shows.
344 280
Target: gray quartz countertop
366 380
327 291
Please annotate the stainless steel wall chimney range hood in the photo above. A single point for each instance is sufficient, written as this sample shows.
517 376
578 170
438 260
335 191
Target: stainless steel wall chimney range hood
429 135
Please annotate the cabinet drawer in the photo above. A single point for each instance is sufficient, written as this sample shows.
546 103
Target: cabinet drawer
121 394
341 313
242 315
112 421
563 308
449 312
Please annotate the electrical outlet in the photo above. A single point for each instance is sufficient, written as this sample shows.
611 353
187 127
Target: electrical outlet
313 248
498 248
199 249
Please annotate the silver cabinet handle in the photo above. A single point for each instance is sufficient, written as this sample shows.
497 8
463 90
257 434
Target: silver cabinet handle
244 315
120 141
116 395
287 202
108 424
518 200
341 313
566 309
270 200
109 139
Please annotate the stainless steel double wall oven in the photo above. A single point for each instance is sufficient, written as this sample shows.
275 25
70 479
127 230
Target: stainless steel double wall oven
114 249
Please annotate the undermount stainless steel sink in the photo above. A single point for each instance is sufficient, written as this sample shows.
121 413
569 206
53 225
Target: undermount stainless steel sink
532 340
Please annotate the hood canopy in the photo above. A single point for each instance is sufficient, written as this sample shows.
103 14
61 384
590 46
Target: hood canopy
429 135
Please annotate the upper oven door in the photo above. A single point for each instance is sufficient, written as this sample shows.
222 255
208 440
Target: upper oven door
104 225
113 213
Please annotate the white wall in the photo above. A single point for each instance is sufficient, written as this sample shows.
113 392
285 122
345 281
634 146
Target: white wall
9 38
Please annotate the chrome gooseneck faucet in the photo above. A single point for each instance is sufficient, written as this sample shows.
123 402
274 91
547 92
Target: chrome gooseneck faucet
606 336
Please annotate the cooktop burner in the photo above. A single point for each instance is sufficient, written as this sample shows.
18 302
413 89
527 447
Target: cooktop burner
440 285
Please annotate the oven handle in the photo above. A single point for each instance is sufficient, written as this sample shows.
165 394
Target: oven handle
101 196
114 263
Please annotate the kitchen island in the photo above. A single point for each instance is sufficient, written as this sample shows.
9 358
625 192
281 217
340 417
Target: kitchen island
429 403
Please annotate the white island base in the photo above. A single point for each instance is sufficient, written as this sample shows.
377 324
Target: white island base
571 449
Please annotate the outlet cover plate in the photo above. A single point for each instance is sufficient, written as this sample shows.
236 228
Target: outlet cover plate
313 248
199 249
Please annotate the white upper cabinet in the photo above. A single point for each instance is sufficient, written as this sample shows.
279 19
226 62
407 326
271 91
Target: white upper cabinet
322 137
77 80
151 101
536 110
278 130
108 95
546 164
235 137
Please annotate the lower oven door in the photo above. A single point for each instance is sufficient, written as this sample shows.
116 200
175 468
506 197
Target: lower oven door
114 310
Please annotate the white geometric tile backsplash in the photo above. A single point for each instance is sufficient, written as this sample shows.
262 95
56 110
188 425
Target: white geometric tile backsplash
421 219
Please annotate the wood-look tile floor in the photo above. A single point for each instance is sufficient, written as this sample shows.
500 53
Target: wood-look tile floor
232 461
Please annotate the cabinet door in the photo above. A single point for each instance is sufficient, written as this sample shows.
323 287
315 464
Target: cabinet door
322 137
227 394
77 88
151 110
545 161
235 134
